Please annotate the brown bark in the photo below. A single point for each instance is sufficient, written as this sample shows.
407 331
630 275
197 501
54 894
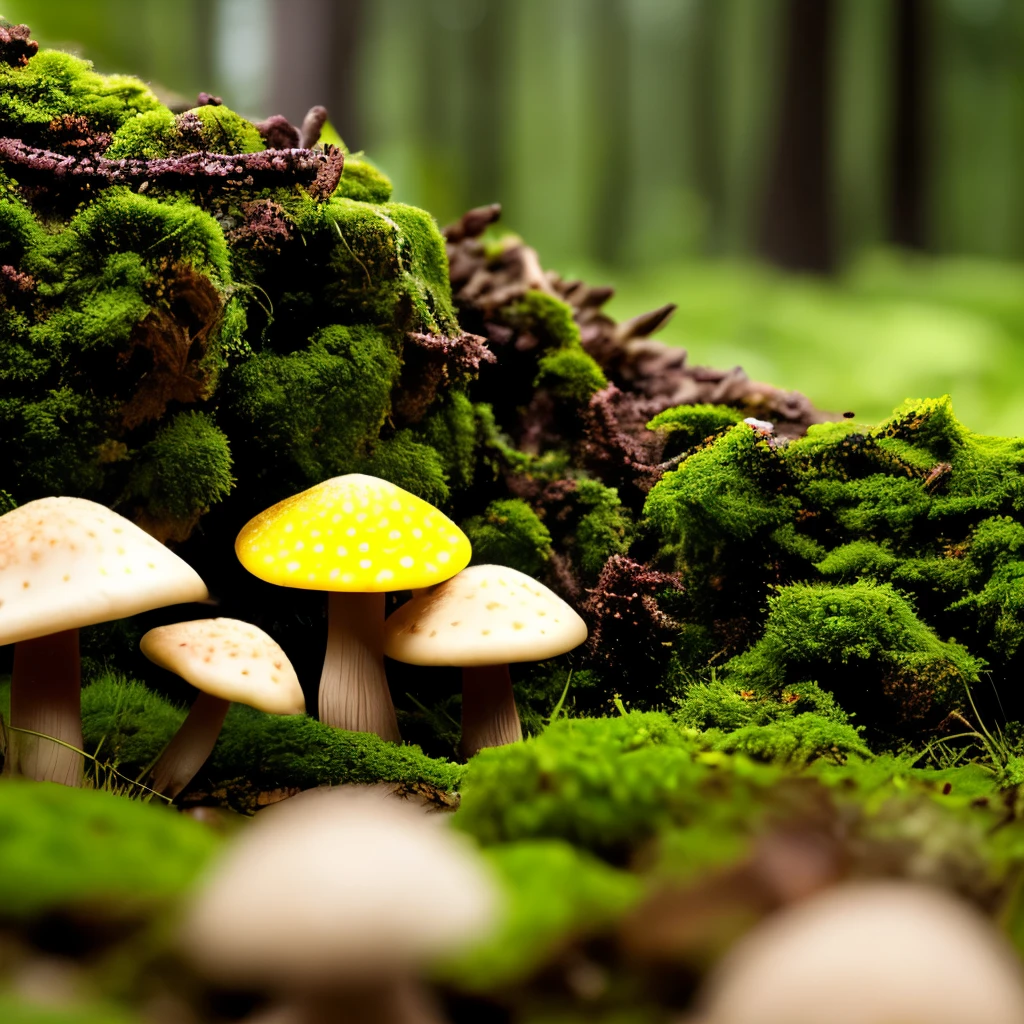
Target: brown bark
796 229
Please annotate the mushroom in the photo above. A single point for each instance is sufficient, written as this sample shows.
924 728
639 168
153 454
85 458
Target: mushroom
356 537
337 903
226 660
480 620
869 953
67 563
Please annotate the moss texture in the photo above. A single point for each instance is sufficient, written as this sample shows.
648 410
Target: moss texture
62 848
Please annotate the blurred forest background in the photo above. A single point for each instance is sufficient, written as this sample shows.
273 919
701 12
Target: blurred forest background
831 190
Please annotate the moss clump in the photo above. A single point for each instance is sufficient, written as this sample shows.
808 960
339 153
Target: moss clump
555 894
509 533
156 134
363 181
796 741
128 725
62 848
685 426
850 635
184 470
605 785
53 85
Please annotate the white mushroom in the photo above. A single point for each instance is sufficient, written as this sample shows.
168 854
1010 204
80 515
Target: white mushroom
480 620
869 953
337 903
67 563
226 660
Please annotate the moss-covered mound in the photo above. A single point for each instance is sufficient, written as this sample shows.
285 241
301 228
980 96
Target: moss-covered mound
64 848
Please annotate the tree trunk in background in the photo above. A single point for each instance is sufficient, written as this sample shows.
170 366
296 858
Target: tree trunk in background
907 195
796 224
315 47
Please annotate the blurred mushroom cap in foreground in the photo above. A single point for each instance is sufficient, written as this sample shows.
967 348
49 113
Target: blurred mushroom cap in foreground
869 953
338 890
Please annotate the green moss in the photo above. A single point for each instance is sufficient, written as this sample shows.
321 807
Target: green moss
555 894
224 131
315 412
62 847
815 631
13 1010
54 84
721 705
255 752
604 528
726 491
185 469
387 264
606 785
570 375
796 741
687 425
547 318
410 464
364 182
509 533
453 430
152 136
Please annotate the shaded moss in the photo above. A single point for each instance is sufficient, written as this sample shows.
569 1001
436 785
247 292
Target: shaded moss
185 469
570 375
14 1010
314 412
509 533
604 528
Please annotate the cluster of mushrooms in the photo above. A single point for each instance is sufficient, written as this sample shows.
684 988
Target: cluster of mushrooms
385 888
67 562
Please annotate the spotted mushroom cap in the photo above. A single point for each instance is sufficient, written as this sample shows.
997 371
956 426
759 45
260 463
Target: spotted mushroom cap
68 562
229 659
356 534
487 615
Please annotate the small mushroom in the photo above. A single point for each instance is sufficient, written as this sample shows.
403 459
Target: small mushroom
67 563
336 904
869 953
357 537
226 660
480 620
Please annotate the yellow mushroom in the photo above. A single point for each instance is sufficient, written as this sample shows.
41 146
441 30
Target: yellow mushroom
357 537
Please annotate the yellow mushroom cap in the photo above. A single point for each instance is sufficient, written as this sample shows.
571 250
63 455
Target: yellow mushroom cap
229 659
356 534
70 562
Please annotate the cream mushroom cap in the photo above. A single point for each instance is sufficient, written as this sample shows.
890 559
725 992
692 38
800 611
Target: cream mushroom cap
69 562
230 659
486 615
352 534
338 890
869 952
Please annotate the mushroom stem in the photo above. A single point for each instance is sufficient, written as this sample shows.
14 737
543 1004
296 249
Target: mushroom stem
489 715
191 746
354 691
46 688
